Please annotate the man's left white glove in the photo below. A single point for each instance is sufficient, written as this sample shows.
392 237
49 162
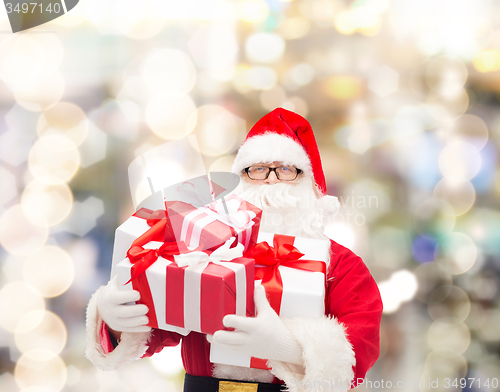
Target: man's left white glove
264 336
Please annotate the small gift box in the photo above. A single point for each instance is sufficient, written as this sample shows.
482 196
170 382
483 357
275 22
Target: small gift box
134 227
293 271
188 290
212 225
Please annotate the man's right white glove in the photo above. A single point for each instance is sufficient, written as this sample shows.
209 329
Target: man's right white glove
115 308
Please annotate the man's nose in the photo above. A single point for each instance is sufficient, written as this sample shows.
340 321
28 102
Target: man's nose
272 179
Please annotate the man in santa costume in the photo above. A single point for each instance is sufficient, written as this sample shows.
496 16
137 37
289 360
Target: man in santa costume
281 173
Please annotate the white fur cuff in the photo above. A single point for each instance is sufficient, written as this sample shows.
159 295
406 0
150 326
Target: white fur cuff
133 345
328 357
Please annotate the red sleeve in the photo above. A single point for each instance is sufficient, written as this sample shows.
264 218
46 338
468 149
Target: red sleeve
353 297
159 339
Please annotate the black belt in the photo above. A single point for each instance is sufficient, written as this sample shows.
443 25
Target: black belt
210 384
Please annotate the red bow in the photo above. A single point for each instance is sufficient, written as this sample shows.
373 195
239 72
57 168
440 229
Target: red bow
285 254
142 259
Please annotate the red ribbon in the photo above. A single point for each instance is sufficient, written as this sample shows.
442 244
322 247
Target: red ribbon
141 259
271 257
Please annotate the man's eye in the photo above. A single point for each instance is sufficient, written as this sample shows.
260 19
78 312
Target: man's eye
258 169
284 168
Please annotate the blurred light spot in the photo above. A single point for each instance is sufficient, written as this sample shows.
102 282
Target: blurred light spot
66 118
83 217
452 302
459 161
19 235
47 339
264 47
252 11
468 128
168 362
460 195
133 89
447 108
341 233
223 164
168 69
50 270
272 98
434 216
41 93
483 287
120 118
445 75
297 105
457 253
9 186
171 114
383 81
487 60
401 287
240 79
447 333
357 19
46 204
40 372
344 23
294 27
261 78
447 358
424 248
53 159
217 130
488 329
15 147
21 59
344 87
137 19
299 75
16 300
93 149
215 48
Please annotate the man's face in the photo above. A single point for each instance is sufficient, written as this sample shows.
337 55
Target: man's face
260 173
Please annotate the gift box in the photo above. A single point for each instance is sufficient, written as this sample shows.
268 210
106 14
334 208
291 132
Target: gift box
134 227
188 290
212 225
293 270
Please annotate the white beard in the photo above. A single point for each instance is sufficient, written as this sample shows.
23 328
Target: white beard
290 209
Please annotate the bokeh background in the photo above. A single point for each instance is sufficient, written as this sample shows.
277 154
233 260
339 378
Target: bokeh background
403 96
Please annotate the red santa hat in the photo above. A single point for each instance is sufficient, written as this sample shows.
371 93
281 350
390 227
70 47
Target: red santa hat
283 136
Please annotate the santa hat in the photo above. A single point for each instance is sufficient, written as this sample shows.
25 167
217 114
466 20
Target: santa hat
286 137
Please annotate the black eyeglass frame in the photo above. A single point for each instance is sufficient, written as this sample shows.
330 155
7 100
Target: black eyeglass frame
269 172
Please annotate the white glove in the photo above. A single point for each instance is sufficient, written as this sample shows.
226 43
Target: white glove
264 336
117 314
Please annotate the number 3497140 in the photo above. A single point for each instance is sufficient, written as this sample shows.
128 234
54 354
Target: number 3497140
33 8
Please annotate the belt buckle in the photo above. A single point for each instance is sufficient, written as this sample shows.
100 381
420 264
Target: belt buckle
230 386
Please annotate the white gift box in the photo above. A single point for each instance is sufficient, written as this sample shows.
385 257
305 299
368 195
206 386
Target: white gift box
126 233
156 278
303 294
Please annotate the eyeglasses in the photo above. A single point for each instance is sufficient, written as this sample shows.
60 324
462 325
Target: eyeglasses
283 173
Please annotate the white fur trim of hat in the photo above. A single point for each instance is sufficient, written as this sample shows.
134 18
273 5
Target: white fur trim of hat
272 147
132 346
